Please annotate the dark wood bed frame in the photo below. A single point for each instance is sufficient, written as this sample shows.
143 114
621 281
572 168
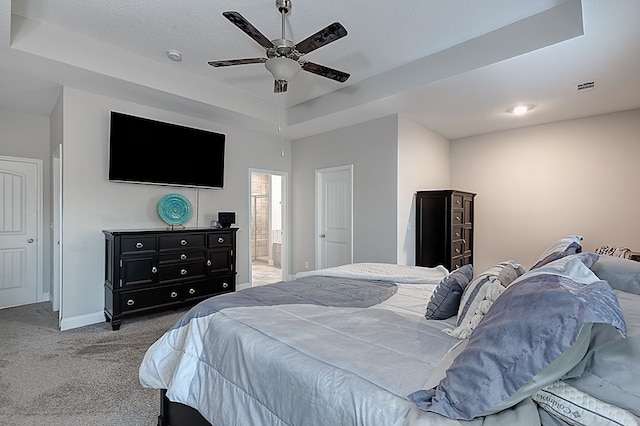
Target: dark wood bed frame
177 414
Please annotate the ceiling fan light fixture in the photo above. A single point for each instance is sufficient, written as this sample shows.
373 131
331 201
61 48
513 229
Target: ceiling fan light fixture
282 68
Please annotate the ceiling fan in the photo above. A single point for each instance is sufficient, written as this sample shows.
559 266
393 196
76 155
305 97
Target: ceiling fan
284 57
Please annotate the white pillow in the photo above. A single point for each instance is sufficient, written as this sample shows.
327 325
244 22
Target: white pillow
578 408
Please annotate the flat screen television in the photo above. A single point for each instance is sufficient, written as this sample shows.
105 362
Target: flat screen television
142 150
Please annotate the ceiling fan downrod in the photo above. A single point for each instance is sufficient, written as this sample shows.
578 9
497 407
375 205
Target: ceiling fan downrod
284 6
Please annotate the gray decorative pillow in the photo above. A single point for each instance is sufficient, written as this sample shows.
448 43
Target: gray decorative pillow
537 331
478 297
445 299
621 274
561 248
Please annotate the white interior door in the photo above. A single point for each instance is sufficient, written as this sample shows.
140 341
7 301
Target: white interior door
19 232
334 216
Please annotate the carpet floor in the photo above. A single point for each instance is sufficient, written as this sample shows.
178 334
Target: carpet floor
84 376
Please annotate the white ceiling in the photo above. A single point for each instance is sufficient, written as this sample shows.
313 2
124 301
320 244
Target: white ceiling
454 66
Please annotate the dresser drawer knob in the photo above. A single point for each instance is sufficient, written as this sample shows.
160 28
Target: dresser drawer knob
458 218
208 263
457 250
183 272
221 240
225 285
154 270
183 256
130 302
192 291
183 242
458 234
174 294
139 245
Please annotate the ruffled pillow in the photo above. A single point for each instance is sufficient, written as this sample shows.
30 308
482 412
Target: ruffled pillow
478 296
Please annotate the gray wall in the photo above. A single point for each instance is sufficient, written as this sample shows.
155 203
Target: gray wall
92 203
538 184
372 149
423 164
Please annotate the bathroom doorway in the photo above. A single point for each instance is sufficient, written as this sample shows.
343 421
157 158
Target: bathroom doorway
267 203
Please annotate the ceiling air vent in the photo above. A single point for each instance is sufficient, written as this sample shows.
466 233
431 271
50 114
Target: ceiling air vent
587 85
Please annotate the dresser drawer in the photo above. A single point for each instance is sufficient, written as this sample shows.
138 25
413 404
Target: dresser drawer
209 287
183 256
221 239
184 241
138 244
141 299
182 271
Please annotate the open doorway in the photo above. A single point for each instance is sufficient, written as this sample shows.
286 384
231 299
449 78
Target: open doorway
267 227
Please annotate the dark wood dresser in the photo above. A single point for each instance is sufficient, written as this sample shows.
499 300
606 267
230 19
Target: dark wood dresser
156 269
444 228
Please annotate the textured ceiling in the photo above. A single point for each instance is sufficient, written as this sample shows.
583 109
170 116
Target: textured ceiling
454 66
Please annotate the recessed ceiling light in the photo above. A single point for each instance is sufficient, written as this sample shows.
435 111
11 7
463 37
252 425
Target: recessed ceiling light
174 55
520 109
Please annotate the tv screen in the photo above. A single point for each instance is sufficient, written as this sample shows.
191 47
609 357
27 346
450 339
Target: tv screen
148 151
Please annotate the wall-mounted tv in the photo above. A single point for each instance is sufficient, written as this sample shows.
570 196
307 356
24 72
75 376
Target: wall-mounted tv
142 150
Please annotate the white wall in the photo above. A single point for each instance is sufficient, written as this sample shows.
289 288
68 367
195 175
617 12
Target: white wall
27 136
372 149
92 203
541 183
423 164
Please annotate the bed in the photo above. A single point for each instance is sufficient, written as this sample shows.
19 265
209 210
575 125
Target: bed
381 344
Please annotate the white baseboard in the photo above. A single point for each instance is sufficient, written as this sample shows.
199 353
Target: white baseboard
242 286
81 320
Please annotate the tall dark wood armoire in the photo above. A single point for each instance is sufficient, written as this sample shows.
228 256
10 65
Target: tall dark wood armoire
444 228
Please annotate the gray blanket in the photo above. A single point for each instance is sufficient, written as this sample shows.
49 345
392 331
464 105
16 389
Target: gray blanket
316 351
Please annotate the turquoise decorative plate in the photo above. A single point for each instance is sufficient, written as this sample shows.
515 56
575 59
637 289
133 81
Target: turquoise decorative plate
174 209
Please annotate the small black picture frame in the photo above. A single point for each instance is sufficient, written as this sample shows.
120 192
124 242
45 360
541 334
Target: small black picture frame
226 219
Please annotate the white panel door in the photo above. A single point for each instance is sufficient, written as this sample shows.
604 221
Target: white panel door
334 217
19 211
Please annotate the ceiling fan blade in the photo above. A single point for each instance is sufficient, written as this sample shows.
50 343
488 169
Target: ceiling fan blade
325 36
230 62
326 71
239 21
